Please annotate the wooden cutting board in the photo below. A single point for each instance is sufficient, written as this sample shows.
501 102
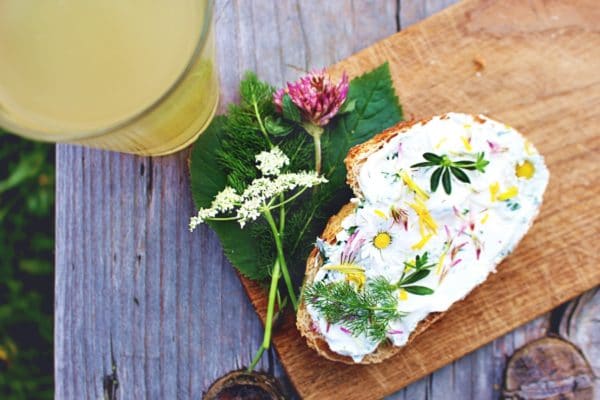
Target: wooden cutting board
536 66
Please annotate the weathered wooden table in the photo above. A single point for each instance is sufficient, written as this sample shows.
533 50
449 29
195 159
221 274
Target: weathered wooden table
146 310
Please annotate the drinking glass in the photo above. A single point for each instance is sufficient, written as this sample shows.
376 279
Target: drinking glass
135 76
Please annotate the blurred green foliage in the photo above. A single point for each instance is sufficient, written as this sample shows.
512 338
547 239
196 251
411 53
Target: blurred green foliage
26 268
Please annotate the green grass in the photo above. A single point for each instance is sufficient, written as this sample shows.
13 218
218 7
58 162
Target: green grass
26 268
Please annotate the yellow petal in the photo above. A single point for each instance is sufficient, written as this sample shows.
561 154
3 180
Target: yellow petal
440 264
413 186
403 294
354 273
425 217
358 279
509 193
494 189
440 143
347 268
485 218
380 213
466 143
419 245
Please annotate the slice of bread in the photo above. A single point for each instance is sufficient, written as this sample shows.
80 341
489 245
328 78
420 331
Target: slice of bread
355 158
354 161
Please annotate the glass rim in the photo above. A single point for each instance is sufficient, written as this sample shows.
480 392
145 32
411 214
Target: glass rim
84 135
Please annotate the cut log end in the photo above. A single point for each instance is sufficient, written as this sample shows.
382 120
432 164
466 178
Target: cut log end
549 368
241 385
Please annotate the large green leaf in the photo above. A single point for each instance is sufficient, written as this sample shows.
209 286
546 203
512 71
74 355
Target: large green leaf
376 109
251 250
208 179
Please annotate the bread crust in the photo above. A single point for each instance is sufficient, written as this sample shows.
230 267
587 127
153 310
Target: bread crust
354 160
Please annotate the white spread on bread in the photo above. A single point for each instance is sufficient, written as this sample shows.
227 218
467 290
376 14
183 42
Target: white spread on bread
465 233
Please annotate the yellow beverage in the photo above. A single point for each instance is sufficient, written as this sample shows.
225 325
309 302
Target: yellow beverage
136 76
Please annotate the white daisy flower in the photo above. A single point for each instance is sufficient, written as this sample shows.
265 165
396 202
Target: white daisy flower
381 231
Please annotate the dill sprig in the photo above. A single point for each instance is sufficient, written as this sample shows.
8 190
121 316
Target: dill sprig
368 312
448 168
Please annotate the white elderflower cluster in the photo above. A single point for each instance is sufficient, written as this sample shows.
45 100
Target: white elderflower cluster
271 162
258 195
224 201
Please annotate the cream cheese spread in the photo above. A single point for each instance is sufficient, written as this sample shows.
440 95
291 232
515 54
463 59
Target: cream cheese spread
465 233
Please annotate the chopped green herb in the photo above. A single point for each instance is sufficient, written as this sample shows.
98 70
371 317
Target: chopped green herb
368 311
446 168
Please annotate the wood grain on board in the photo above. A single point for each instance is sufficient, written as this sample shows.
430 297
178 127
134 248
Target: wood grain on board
534 65
145 310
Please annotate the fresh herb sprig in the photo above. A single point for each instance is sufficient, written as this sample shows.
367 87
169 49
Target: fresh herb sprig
225 156
447 168
368 311
419 270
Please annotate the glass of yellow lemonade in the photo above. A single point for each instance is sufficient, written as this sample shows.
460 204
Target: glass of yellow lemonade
136 76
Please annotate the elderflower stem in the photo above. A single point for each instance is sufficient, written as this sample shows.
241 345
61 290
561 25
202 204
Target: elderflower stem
291 198
282 213
266 135
280 257
256 359
266 343
271 305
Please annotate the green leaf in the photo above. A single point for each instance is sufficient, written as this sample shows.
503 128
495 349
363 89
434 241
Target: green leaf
416 276
481 162
432 157
435 178
34 266
29 165
423 164
376 109
290 110
419 290
464 163
224 155
254 91
207 179
460 175
277 127
348 106
446 181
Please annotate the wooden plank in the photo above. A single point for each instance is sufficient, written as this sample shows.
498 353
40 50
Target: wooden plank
134 289
478 375
529 79
413 11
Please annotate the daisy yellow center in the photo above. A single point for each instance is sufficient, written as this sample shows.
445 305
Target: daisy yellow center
382 240
525 170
